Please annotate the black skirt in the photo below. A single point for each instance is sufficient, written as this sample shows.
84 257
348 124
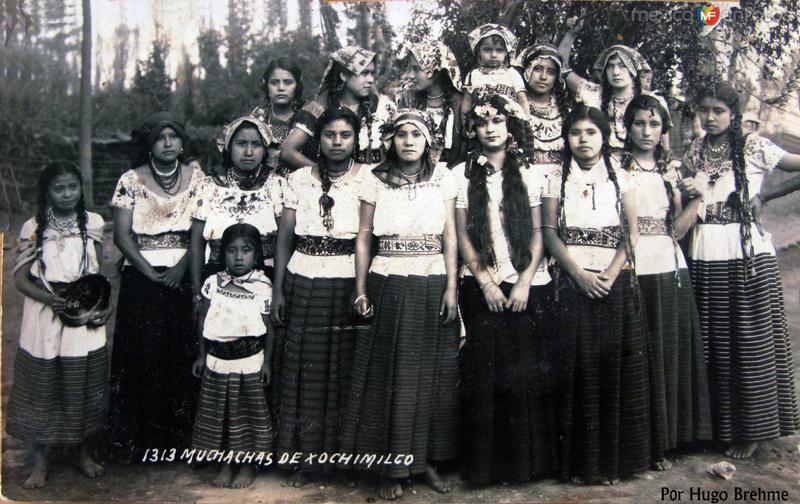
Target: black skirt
153 392
508 368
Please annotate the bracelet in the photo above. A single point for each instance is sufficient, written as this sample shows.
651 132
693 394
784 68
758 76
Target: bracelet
490 282
548 226
359 298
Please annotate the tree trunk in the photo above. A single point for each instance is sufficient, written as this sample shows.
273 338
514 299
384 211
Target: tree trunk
85 118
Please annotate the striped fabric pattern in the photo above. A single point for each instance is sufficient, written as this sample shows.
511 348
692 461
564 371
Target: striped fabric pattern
403 397
58 401
605 417
317 361
678 373
748 351
232 414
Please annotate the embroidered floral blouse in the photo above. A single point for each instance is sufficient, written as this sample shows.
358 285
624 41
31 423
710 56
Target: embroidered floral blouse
231 314
503 81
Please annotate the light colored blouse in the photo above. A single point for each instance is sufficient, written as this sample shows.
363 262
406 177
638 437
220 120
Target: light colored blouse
233 315
158 216
502 80
503 270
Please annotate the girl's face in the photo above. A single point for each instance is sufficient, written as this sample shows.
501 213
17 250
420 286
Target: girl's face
492 131
337 140
247 149
492 52
167 147
416 75
361 85
585 140
64 193
645 130
646 79
281 87
715 115
618 75
543 76
409 143
240 257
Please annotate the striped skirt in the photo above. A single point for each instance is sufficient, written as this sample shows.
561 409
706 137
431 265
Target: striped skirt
678 376
605 417
403 398
747 346
316 359
232 411
507 368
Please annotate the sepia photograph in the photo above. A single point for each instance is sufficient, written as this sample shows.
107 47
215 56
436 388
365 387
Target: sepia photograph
424 251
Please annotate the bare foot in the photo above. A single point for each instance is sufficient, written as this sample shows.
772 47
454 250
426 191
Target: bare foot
742 449
390 489
39 472
87 464
610 482
224 477
662 465
245 478
435 481
576 480
301 478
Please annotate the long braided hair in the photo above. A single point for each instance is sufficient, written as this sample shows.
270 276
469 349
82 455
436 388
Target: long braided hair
739 200
582 112
50 172
326 202
515 208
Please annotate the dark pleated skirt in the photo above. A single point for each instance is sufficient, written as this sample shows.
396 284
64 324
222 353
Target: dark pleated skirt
317 358
679 394
403 397
59 401
605 417
232 413
508 367
747 343
153 392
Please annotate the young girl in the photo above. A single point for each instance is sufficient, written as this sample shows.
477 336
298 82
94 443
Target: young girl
236 342
282 83
678 378
736 279
494 47
60 372
314 280
547 100
605 421
503 293
432 71
245 190
402 392
348 81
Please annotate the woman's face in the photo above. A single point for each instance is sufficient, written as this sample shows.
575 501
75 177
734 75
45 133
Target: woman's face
585 140
416 75
618 75
64 193
542 76
645 130
167 147
492 52
337 140
361 85
281 87
240 257
247 149
715 115
409 143
492 131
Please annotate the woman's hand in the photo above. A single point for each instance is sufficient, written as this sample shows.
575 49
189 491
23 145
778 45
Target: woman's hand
757 205
173 276
362 305
607 278
266 373
278 307
691 187
449 306
592 285
102 317
494 297
58 304
518 298
198 365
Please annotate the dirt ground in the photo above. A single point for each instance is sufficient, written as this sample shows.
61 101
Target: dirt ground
775 467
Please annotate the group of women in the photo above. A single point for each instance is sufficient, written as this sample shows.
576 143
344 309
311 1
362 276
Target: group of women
539 208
